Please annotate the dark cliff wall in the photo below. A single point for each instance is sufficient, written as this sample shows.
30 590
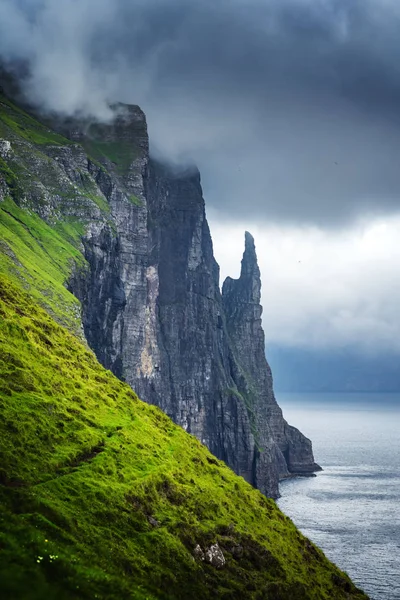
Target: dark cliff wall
194 384
154 314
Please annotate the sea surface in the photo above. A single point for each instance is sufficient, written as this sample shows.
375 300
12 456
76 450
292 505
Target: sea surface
352 509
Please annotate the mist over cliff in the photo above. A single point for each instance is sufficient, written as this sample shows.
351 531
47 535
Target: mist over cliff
233 82
286 108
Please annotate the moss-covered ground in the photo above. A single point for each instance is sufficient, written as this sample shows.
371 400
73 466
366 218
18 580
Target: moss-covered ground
121 154
102 496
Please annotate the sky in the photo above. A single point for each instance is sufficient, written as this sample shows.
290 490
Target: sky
290 109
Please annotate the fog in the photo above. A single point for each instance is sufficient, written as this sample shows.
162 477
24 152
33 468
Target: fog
288 107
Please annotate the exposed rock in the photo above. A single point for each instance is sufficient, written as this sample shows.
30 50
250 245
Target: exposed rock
237 551
115 295
241 300
214 556
152 307
198 553
5 148
5 151
153 522
3 188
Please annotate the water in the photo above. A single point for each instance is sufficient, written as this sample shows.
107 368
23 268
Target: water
352 509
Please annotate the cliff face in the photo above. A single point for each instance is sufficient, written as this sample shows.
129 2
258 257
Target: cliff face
194 382
152 309
114 291
154 314
78 448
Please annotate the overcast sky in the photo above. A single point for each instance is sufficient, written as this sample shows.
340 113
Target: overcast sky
290 108
323 288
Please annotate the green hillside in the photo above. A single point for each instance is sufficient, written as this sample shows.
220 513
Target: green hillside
104 497
101 495
40 253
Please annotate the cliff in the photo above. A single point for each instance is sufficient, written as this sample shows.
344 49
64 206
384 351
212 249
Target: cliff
151 304
291 451
102 495
154 314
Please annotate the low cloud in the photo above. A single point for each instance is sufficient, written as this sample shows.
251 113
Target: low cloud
289 107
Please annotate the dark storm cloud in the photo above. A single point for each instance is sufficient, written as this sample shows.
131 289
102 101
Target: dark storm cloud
289 107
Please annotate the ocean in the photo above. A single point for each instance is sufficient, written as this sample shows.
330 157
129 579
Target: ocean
351 510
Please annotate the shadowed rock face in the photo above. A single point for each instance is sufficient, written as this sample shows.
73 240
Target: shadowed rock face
154 314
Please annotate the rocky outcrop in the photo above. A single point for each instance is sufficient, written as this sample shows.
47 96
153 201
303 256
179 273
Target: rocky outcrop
114 292
152 307
212 555
5 148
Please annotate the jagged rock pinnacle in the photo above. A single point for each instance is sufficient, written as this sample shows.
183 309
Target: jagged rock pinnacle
250 272
248 240
248 287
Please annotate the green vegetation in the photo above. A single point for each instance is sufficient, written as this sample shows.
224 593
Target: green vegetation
37 253
10 178
102 496
26 126
29 168
135 200
41 258
120 153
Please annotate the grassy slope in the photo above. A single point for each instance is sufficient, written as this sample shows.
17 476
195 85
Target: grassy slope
120 154
40 257
84 465
32 252
26 126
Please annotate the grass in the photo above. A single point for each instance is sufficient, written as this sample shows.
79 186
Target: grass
135 200
26 126
120 153
42 254
41 258
72 230
10 177
102 496
21 169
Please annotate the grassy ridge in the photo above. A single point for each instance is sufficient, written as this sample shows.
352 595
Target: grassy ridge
102 496
121 154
